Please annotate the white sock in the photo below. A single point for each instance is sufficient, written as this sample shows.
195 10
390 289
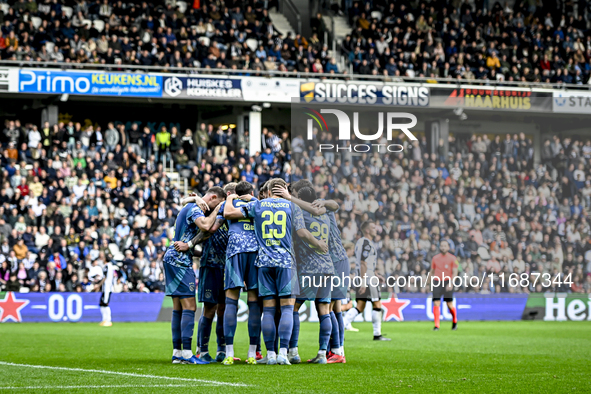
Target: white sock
283 351
376 319
338 351
322 352
177 353
108 314
350 316
187 354
293 351
271 354
104 312
229 350
252 351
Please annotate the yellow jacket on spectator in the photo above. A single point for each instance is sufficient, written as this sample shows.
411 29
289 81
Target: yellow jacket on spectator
111 181
493 62
163 139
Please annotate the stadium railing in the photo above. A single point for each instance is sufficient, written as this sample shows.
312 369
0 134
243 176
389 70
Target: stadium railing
289 74
288 8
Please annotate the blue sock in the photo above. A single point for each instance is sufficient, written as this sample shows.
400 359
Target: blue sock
286 325
203 333
339 316
254 322
325 329
295 333
269 327
335 340
277 320
176 329
219 334
187 328
230 320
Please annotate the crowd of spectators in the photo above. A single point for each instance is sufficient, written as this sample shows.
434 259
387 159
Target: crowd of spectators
235 35
73 202
530 41
501 214
549 42
73 198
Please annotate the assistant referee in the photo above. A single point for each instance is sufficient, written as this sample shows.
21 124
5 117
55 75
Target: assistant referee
444 266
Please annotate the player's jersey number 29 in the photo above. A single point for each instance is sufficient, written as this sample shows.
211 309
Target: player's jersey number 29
319 230
274 225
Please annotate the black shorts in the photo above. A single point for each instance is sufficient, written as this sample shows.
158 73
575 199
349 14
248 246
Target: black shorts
105 298
442 291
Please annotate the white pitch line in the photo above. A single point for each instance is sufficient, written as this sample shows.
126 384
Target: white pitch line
115 386
137 375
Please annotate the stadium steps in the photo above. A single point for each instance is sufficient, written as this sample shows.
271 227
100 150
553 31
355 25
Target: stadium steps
341 29
281 23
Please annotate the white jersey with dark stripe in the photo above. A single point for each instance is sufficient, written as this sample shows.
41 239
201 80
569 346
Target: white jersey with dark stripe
110 279
365 250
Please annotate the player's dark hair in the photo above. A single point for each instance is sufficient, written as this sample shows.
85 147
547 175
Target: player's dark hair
307 194
275 182
230 188
218 191
301 184
243 188
262 190
365 225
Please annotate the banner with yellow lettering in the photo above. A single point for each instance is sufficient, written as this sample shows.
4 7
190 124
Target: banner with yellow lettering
500 99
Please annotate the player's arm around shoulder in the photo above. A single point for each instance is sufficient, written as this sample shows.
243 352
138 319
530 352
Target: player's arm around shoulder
204 223
330 205
197 200
307 236
232 212
283 192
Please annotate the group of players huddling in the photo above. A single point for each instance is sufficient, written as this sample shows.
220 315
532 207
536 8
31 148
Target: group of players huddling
247 244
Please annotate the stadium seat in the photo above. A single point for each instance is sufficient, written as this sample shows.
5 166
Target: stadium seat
87 22
99 25
146 37
113 248
36 21
376 15
24 290
205 41
69 11
4 8
252 44
182 6
49 46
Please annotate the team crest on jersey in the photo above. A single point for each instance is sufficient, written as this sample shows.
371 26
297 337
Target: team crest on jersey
207 293
192 286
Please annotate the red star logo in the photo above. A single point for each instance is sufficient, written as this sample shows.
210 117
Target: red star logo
10 308
394 308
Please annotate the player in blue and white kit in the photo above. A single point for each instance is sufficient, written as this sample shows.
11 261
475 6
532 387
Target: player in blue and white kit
314 269
211 279
241 272
339 258
276 269
180 277
341 268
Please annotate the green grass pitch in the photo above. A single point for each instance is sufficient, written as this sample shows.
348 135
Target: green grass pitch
481 357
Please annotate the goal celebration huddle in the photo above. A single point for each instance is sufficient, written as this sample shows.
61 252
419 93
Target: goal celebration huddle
281 248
